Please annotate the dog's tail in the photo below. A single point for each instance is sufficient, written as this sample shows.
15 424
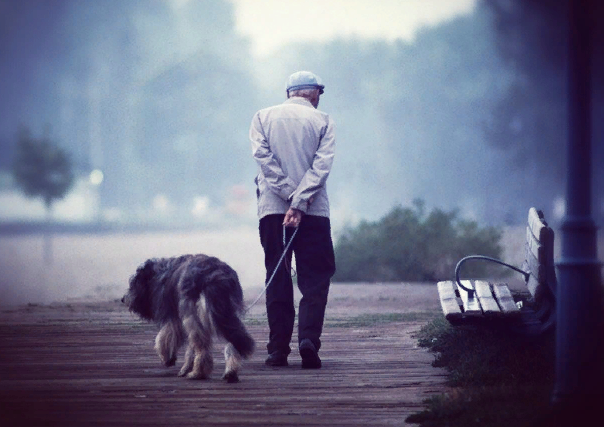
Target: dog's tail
226 311
233 330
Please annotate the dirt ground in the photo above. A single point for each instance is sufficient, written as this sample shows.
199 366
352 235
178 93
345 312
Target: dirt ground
368 298
345 300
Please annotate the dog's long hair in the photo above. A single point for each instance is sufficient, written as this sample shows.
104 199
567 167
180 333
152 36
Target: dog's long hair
192 298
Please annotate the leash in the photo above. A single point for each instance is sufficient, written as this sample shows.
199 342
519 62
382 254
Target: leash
276 268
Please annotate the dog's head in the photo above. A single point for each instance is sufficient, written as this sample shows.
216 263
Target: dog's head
139 297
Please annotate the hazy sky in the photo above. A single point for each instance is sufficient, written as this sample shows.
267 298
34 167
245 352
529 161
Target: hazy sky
273 23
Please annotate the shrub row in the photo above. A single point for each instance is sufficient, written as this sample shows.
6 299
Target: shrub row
408 244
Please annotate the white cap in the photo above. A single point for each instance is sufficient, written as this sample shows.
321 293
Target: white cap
304 80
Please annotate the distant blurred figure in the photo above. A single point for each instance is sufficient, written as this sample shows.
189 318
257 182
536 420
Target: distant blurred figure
294 145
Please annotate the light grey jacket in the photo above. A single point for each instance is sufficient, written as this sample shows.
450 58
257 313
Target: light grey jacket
293 144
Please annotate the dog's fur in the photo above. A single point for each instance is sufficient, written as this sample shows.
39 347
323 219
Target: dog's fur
192 298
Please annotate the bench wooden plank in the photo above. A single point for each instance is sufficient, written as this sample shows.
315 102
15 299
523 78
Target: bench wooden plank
504 298
533 285
487 302
533 266
537 225
535 247
539 261
535 281
448 300
536 288
539 233
471 305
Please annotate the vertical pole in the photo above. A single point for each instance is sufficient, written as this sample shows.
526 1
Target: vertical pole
579 304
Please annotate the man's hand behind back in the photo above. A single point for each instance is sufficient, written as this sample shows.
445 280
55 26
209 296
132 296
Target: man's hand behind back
292 217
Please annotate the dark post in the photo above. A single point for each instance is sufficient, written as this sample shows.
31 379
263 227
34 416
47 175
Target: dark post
579 304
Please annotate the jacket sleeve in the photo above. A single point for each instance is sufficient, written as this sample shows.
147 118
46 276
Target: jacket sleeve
277 181
315 177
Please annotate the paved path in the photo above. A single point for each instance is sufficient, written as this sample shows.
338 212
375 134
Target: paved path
93 364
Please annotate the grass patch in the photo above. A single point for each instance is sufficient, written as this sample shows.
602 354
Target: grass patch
362 320
379 318
487 406
499 378
488 356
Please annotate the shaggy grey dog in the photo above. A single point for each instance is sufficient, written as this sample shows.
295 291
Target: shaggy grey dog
192 298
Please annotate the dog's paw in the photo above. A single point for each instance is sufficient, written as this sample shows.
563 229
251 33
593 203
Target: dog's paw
184 371
170 362
197 376
231 377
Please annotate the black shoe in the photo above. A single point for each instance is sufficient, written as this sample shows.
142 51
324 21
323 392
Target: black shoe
276 359
308 352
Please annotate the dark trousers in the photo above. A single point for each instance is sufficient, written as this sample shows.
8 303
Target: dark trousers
315 265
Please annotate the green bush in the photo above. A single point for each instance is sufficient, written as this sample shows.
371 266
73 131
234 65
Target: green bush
409 245
488 356
496 377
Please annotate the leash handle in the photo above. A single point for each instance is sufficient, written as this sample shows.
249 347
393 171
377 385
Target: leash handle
276 267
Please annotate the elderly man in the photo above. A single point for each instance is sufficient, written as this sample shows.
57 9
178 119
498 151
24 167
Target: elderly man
293 144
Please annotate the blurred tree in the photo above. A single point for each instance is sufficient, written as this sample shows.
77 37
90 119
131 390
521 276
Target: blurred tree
42 169
144 90
418 133
529 122
408 244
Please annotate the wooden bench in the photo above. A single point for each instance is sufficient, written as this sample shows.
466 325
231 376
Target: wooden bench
483 302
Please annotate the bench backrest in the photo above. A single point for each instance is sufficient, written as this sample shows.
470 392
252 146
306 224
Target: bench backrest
539 257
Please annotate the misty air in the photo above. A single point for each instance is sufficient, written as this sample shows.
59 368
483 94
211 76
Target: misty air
125 140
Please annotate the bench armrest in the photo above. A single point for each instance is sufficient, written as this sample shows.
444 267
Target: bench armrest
484 258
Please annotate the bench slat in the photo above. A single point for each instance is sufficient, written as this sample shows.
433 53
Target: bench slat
535 287
471 305
540 254
539 261
533 266
535 247
540 238
504 298
448 300
487 302
537 225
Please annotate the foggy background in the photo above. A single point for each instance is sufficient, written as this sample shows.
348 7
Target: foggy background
467 110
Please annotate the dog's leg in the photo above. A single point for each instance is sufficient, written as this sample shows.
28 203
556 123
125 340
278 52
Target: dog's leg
168 341
233 363
199 330
203 364
188 365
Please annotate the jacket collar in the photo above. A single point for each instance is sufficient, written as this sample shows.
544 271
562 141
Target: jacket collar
298 100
